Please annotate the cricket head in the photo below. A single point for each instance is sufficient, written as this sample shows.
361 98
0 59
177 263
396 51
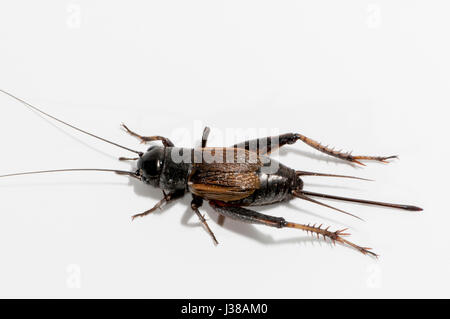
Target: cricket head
149 165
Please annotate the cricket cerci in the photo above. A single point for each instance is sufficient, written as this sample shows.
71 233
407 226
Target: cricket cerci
231 179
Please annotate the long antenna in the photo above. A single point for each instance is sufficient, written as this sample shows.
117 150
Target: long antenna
133 174
364 201
74 127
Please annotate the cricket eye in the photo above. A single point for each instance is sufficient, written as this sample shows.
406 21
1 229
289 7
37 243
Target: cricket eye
151 167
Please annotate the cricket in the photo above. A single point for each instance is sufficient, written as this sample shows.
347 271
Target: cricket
231 179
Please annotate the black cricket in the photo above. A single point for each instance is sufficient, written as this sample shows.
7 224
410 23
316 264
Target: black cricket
230 186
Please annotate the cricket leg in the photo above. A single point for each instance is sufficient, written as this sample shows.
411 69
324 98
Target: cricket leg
250 216
265 145
205 136
195 204
167 198
144 139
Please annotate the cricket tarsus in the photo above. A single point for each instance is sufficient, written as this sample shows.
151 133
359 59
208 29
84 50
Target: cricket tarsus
67 124
335 236
347 156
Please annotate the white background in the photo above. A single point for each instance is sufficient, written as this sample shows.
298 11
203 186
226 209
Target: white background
367 76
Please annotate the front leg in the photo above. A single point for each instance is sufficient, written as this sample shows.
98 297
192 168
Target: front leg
266 145
167 198
144 139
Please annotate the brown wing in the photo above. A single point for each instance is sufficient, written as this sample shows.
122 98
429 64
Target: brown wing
225 174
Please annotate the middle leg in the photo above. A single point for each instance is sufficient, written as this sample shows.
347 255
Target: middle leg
195 204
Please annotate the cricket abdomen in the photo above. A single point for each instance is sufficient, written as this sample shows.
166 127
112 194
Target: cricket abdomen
275 186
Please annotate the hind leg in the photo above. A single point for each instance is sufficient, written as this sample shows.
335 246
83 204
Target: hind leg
250 216
144 139
265 145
